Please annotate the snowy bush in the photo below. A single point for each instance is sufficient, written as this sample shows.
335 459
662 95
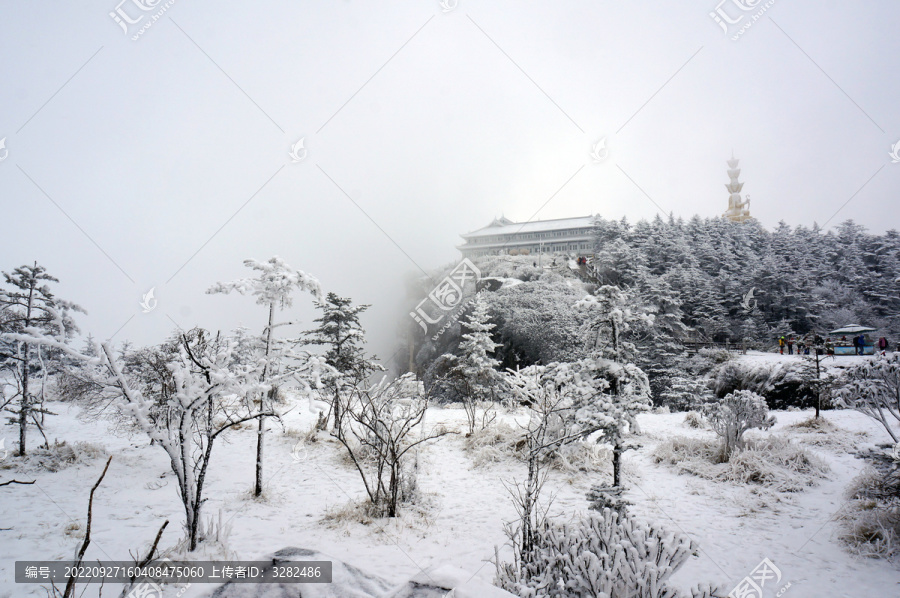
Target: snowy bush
774 463
785 384
499 442
715 355
735 414
871 527
686 392
602 497
608 553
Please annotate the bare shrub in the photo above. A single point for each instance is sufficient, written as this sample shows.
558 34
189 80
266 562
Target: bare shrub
379 427
819 424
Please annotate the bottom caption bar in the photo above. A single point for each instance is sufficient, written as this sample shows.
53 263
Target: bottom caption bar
166 571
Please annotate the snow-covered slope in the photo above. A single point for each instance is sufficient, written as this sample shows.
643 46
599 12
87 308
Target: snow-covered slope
454 530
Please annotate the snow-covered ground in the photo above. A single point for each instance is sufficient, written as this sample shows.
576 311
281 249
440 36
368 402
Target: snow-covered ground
826 361
459 523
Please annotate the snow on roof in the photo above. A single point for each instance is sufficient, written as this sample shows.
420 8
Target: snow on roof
506 227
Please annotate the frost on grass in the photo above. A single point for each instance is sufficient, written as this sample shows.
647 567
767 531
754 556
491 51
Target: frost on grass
870 527
773 462
693 419
499 442
872 516
58 456
821 433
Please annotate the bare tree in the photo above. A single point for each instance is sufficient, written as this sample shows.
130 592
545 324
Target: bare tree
208 393
378 429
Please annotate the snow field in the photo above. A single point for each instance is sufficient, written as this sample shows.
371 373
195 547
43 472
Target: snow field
460 519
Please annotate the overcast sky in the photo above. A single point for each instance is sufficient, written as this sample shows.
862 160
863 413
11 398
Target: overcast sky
163 162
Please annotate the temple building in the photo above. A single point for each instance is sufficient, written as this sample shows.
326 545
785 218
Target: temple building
503 236
738 209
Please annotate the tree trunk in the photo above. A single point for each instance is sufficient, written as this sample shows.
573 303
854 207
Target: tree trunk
527 508
818 389
260 435
261 431
24 404
336 405
617 463
193 522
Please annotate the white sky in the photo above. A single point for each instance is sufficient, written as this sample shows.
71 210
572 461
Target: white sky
169 154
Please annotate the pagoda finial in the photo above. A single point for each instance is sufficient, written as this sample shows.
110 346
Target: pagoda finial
738 209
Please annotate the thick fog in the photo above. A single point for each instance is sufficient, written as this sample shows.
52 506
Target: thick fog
161 157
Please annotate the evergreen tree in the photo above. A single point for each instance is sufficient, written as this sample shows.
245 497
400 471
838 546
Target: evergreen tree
341 332
273 288
28 304
473 374
613 315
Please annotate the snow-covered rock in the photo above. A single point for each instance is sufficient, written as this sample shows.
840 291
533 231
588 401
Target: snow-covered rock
347 581
441 580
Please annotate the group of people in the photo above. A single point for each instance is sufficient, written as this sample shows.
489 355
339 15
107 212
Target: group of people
803 344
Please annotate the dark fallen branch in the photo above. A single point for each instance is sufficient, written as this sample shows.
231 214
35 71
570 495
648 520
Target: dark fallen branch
15 482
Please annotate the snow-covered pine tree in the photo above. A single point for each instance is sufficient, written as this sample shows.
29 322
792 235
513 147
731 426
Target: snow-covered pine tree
343 336
660 346
28 303
273 287
473 373
612 316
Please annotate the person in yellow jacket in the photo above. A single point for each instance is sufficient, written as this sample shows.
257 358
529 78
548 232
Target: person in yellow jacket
781 344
